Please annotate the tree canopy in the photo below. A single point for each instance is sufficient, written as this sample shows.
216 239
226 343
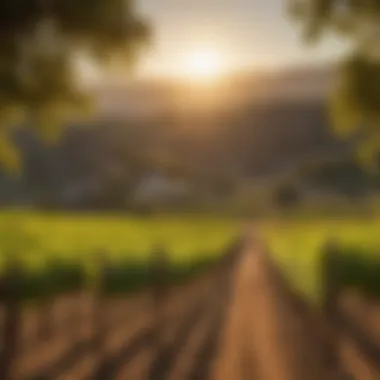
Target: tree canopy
356 100
356 20
39 42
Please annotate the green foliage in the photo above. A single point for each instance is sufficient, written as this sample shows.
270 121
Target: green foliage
354 20
59 252
360 270
357 97
355 106
356 101
297 246
38 46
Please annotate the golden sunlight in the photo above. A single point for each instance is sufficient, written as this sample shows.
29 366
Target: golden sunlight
203 65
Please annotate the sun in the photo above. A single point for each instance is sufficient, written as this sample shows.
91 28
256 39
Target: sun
203 65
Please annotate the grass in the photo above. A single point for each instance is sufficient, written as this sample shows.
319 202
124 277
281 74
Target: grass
60 252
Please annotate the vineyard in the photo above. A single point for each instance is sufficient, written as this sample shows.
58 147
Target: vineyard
251 311
58 253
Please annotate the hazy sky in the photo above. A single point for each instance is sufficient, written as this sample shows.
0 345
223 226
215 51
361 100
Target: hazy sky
248 33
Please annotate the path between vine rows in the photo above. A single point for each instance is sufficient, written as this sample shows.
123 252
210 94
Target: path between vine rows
242 321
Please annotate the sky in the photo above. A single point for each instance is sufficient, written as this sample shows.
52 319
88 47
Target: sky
248 34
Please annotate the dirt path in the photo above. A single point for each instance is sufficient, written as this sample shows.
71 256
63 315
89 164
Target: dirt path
273 334
266 338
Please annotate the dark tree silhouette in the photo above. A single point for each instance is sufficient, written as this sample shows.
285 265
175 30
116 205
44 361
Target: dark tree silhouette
39 42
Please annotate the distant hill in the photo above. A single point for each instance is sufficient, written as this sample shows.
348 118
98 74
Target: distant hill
294 85
248 126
